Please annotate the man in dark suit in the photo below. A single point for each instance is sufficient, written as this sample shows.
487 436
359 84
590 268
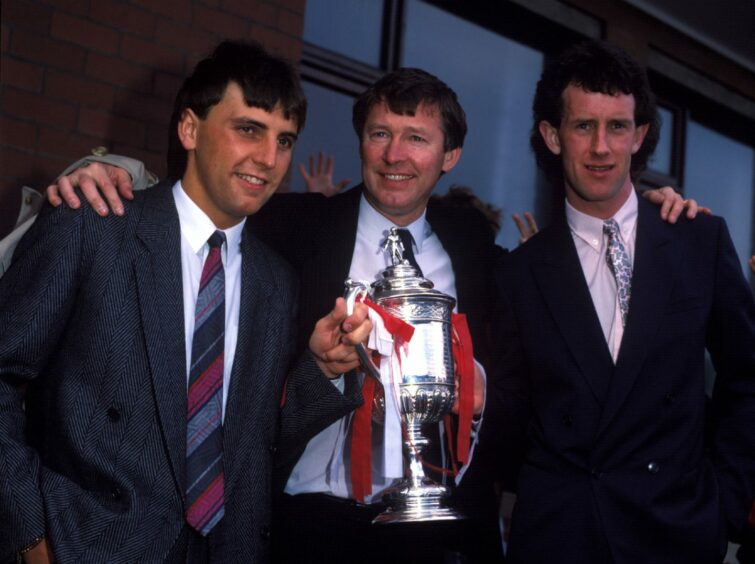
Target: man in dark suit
105 322
603 322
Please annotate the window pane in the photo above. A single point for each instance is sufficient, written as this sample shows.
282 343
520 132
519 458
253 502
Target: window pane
495 80
719 174
350 27
660 161
328 129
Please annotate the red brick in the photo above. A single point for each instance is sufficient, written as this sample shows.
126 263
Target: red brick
223 24
277 42
108 126
30 16
80 90
26 76
51 52
79 7
166 86
150 109
210 3
85 33
65 144
157 138
4 38
255 10
124 17
147 52
45 169
17 133
186 38
291 23
15 163
174 9
297 6
38 108
119 72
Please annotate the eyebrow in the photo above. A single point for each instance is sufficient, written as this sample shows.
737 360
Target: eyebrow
244 121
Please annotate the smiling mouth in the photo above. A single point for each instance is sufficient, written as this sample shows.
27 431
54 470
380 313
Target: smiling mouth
594 168
256 180
398 177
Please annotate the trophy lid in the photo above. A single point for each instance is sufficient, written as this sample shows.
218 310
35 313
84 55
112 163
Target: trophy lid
402 279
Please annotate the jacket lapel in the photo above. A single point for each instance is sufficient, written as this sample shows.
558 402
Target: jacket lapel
560 278
653 272
250 375
159 287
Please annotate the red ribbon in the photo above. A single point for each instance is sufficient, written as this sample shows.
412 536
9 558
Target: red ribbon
465 369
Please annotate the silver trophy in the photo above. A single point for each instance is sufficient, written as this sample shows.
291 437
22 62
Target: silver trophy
426 384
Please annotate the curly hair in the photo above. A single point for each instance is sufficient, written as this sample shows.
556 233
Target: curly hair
599 67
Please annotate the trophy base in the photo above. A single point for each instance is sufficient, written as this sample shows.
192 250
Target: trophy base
411 502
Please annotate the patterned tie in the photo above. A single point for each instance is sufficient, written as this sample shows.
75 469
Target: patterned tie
408 241
204 430
620 265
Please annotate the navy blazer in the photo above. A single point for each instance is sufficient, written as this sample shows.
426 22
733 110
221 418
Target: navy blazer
91 320
614 467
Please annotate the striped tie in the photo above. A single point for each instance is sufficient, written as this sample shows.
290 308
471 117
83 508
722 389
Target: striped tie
204 430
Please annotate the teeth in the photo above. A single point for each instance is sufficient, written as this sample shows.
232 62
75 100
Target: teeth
599 168
398 176
251 179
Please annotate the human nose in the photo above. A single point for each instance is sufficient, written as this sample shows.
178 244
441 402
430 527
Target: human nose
394 151
600 141
266 152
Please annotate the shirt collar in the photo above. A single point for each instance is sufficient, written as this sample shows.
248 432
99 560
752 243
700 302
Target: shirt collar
590 229
197 227
375 225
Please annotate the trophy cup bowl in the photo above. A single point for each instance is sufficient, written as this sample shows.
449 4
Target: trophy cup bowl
426 387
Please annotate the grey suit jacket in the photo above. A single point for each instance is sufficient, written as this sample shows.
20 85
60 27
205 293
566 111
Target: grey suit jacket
91 328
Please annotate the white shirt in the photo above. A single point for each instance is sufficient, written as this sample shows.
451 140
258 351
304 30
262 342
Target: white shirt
196 228
592 244
321 469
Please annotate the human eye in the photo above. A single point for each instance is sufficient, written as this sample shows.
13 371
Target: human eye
378 134
417 138
286 143
247 129
582 125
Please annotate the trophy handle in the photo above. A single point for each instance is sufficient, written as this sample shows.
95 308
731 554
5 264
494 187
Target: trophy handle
354 290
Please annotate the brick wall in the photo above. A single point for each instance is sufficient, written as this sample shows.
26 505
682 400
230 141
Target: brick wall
75 74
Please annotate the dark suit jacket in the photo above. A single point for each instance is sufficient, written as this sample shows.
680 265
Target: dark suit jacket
614 464
91 317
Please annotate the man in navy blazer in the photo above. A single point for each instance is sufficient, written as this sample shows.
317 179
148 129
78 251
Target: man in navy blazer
603 322
93 339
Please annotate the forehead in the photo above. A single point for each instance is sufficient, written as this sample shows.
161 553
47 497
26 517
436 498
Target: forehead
426 116
232 105
578 102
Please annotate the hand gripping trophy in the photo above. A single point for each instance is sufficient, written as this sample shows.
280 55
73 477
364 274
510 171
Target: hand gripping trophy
424 388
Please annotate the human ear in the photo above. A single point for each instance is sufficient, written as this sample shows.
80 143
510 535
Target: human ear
550 137
187 129
639 137
451 158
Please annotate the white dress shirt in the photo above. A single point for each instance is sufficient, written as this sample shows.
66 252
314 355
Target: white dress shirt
592 244
196 228
321 468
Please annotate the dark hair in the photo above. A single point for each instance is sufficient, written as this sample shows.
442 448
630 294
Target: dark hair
464 197
595 67
402 91
266 81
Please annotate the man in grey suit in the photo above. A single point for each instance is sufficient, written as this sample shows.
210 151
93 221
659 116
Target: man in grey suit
103 323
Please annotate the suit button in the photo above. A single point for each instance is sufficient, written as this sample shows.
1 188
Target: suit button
595 473
113 414
272 448
265 533
669 399
653 467
115 494
567 420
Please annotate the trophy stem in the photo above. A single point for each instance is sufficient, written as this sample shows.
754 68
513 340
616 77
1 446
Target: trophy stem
416 498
